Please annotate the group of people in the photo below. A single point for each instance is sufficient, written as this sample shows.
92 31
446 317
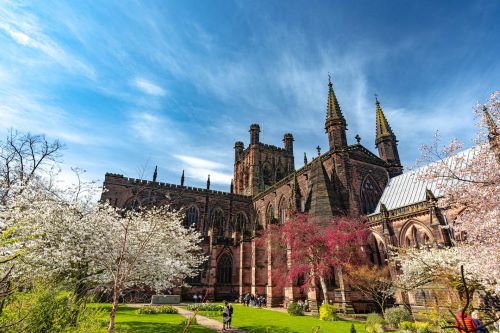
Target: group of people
197 298
304 304
253 300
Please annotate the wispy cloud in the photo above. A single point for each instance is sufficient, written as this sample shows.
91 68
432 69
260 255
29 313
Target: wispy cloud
148 87
199 169
25 30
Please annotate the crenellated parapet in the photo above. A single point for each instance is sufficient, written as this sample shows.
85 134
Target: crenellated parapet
114 178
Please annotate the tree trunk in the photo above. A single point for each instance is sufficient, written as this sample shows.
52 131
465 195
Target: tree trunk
342 289
116 295
325 290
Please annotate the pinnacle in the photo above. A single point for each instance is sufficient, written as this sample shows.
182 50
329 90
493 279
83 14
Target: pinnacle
492 127
383 128
333 111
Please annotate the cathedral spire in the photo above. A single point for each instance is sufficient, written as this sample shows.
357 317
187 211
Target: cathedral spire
208 183
383 128
386 142
182 178
333 112
335 124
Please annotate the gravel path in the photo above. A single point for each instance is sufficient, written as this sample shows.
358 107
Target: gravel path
207 322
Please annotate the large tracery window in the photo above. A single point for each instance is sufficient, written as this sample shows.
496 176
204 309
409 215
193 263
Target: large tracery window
370 195
217 222
191 219
280 173
267 174
224 269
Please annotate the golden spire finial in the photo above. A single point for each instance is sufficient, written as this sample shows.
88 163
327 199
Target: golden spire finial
382 125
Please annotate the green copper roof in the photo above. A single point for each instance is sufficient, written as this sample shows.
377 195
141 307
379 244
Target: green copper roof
383 127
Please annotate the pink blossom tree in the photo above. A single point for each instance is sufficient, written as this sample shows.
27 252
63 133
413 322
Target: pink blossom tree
314 250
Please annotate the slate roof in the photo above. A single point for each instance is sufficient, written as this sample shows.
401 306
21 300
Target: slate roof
408 188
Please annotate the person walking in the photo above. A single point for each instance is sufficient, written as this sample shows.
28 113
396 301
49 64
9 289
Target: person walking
230 306
195 298
226 315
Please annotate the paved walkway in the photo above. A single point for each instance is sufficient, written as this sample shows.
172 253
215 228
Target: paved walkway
207 322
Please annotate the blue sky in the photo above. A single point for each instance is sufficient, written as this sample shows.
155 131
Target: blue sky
128 84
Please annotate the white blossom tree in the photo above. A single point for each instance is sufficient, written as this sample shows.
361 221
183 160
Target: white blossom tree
52 235
470 184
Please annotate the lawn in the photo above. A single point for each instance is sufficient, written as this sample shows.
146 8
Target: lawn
257 320
127 320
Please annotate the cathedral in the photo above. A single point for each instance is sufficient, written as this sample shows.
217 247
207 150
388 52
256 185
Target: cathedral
346 179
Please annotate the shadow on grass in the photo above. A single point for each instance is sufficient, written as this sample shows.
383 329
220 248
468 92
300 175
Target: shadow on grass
144 327
267 329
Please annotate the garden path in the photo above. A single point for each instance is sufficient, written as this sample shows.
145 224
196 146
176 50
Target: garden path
207 322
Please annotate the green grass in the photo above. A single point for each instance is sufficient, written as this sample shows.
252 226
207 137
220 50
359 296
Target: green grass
255 320
127 320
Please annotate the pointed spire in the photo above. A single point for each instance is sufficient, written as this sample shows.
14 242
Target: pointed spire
333 112
208 183
231 188
492 127
182 178
383 129
305 158
155 174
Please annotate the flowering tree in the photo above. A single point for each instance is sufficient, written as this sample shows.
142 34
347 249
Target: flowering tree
470 185
24 158
54 236
314 250
373 282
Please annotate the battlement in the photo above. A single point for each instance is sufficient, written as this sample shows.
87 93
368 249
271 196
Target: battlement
127 181
271 147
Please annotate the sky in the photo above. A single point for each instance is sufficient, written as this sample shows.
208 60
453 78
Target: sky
127 85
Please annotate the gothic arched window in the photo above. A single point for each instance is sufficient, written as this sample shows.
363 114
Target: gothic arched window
370 195
267 174
270 219
280 173
191 218
241 223
224 269
217 222
283 210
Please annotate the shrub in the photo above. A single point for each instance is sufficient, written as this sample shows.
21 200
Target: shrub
295 310
205 307
353 329
374 323
423 327
45 308
167 309
408 326
328 312
394 316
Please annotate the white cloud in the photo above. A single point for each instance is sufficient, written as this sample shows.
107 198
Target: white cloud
199 169
148 87
25 30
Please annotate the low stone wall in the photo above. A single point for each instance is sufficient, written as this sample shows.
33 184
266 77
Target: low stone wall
165 299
